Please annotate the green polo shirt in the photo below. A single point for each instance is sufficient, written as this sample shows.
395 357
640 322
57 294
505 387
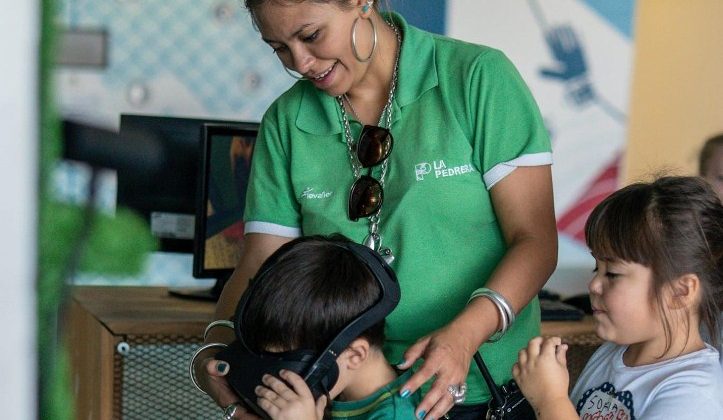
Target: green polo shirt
462 120
385 404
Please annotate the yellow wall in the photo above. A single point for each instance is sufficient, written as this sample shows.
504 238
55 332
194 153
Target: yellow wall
677 88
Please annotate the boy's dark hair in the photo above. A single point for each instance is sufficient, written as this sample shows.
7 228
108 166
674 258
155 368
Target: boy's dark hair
707 152
310 293
674 226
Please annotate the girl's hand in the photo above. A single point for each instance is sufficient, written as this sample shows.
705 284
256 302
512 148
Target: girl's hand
447 354
284 403
541 371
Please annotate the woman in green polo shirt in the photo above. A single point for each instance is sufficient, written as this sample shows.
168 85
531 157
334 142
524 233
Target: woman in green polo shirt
459 201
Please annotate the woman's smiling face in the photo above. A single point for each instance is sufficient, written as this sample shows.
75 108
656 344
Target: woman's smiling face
314 39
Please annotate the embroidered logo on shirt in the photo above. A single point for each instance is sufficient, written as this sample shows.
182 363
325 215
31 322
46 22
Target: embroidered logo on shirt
440 170
604 403
309 194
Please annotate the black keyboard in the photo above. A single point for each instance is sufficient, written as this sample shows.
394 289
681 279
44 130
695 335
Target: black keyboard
553 309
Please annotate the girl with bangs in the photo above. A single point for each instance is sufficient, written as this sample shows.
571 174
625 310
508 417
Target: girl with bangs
658 278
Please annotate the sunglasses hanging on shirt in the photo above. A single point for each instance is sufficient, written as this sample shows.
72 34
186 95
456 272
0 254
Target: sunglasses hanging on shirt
367 194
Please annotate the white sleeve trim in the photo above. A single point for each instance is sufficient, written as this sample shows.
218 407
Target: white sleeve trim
271 229
501 170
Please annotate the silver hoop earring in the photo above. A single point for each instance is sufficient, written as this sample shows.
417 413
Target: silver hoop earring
353 41
292 74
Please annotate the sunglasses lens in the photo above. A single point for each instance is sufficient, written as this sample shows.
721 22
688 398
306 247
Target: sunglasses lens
365 197
375 145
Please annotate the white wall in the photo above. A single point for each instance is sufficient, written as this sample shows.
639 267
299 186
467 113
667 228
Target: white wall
18 179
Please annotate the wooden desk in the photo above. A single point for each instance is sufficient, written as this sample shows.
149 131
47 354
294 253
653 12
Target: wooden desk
132 343
573 330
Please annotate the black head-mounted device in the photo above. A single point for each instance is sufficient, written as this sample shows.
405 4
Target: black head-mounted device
319 369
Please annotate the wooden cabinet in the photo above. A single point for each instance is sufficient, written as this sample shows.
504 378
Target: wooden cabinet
129 351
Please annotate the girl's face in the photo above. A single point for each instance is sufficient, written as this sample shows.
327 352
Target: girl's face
314 39
624 308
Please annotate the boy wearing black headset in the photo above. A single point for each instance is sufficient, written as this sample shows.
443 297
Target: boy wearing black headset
311 291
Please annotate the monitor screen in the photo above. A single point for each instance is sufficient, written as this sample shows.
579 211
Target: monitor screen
225 165
164 193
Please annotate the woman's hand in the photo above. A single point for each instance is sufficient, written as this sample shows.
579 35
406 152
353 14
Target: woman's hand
284 403
218 388
541 372
447 354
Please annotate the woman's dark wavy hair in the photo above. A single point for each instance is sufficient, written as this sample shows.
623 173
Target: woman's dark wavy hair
674 226
310 293
253 5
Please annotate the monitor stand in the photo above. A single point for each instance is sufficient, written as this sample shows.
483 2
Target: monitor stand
200 293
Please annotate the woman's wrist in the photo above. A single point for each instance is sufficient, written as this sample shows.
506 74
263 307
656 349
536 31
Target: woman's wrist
469 321
504 309
224 323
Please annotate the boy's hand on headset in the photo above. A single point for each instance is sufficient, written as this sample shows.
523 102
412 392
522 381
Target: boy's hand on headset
284 403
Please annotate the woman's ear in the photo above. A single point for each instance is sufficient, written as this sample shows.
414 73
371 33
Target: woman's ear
355 354
684 291
367 6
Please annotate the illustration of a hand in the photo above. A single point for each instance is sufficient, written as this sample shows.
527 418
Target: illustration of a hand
571 68
567 52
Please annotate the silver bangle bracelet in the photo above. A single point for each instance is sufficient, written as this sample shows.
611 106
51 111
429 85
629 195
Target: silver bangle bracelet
507 315
191 371
219 322
505 305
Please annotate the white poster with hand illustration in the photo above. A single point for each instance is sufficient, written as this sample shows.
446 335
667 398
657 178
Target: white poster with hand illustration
575 55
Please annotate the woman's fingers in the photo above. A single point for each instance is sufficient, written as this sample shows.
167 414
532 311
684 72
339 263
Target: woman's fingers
216 367
217 385
448 368
437 402
419 377
414 352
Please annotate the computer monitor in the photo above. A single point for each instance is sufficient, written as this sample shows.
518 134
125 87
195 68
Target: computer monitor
164 193
225 163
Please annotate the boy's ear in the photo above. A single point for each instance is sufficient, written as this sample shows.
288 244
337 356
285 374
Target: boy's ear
684 291
356 353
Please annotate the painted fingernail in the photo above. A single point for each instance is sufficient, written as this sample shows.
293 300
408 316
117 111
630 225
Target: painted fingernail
421 414
221 367
405 393
402 363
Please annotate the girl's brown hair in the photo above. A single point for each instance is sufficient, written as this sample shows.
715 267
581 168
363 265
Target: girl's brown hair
674 226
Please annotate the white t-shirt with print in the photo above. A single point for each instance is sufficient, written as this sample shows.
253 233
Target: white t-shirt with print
685 387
